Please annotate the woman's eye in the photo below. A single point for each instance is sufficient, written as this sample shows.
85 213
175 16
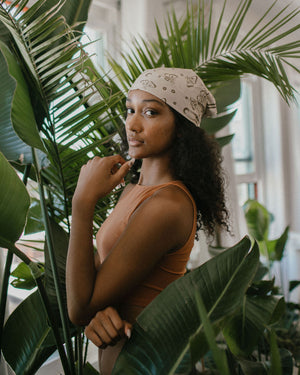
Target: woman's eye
129 111
150 112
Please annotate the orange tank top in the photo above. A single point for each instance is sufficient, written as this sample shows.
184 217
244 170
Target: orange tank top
170 267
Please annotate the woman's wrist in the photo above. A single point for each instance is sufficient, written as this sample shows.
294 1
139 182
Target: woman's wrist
83 206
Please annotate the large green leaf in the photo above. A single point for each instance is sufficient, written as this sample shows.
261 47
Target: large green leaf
258 220
276 247
23 277
10 144
14 204
4 33
60 247
226 94
223 141
242 331
34 222
22 115
263 367
27 335
218 354
163 330
215 124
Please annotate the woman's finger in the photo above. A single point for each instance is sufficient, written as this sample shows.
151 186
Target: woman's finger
124 169
111 330
107 324
127 329
116 320
99 327
94 337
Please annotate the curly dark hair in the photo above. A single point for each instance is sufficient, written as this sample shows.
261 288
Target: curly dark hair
196 161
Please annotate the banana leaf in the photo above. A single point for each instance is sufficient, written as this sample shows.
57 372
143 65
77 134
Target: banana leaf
161 337
258 219
23 121
276 247
263 367
243 330
60 247
34 222
226 94
23 278
14 204
218 354
10 143
33 341
215 124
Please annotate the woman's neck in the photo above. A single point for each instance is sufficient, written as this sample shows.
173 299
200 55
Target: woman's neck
155 172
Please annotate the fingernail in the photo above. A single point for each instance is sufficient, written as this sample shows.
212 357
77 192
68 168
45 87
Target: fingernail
128 333
131 162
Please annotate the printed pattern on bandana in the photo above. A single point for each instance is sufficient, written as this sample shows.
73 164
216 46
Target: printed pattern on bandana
181 89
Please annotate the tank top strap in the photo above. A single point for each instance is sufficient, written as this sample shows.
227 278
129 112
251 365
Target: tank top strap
181 185
143 192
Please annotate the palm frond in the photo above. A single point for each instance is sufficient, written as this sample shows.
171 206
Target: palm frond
225 50
77 122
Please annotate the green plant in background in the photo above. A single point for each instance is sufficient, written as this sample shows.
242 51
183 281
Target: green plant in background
57 111
258 221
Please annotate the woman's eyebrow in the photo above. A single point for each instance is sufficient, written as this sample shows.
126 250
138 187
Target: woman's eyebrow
148 100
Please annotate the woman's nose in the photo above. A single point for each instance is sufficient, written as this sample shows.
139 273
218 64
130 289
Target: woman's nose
133 123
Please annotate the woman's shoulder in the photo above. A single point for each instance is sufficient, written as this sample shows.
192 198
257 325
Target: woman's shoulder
176 193
171 198
172 208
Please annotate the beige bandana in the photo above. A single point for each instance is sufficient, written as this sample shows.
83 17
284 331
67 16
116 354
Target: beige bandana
181 89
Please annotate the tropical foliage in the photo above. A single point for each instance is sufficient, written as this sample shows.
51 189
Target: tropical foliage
57 111
217 301
258 222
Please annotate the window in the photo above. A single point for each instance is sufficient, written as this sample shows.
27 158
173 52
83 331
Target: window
243 144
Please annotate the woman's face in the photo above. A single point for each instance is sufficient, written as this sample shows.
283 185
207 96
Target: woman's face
150 125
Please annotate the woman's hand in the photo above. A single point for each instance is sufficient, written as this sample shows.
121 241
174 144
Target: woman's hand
99 177
107 328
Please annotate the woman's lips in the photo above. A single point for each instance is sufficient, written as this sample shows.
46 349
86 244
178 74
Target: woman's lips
134 141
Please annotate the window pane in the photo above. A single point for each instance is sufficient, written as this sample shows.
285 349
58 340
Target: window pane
241 126
246 191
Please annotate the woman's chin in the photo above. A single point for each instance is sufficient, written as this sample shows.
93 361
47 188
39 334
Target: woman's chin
134 154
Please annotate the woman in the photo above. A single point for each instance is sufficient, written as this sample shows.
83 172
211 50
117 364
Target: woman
145 243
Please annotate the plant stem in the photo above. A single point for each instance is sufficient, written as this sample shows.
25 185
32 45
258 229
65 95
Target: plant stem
57 284
85 351
79 351
26 173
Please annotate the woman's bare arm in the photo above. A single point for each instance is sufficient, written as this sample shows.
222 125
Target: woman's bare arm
97 179
160 224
